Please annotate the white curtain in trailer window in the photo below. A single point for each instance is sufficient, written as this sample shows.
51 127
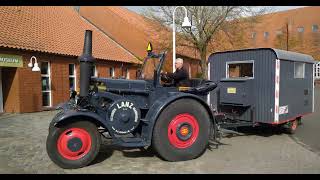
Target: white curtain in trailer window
299 69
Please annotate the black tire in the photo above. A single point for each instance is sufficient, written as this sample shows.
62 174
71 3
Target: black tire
291 127
58 159
160 139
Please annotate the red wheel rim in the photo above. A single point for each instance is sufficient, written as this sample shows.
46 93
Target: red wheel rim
183 124
76 138
294 125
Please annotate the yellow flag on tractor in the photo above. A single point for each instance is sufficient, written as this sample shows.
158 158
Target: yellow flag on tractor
149 48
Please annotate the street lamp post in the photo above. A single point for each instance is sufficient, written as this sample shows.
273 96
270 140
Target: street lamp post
186 24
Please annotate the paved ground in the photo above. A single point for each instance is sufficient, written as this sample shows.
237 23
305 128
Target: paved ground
309 132
22 150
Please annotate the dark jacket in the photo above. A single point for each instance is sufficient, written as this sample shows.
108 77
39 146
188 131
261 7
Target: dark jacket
180 77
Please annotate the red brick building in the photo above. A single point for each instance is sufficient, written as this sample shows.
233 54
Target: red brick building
293 30
55 36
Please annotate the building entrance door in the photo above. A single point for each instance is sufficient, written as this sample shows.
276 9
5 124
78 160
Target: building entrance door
1 96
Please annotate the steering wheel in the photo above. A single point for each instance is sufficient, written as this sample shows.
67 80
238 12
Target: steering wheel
168 82
164 77
206 86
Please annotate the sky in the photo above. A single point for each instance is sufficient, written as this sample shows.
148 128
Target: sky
139 9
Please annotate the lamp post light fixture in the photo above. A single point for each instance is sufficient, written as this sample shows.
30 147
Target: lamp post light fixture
36 66
186 24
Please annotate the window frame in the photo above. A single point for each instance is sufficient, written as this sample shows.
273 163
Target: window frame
294 70
127 73
73 76
239 62
253 35
266 35
49 77
279 32
113 72
313 29
95 74
300 27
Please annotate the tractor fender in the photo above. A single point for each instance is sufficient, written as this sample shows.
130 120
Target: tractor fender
159 105
72 115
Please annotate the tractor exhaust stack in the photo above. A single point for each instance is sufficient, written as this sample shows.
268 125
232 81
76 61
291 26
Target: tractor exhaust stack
86 64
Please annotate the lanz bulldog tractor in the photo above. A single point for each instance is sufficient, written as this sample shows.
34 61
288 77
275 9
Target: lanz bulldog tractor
134 113
179 123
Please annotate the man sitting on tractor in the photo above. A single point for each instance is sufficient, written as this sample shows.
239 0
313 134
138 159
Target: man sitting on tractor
180 77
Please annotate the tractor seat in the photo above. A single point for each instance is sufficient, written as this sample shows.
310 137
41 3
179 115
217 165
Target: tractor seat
202 89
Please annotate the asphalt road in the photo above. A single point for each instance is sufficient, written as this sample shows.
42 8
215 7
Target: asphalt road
308 133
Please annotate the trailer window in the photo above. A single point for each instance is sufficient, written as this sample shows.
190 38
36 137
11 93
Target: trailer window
240 70
299 69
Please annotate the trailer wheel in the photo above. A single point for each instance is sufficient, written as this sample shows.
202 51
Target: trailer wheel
74 145
291 127
182 131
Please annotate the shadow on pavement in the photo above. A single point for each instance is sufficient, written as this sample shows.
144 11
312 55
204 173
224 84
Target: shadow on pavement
264 131
107 150
105 153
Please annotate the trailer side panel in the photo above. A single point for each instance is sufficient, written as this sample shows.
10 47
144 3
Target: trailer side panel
296 94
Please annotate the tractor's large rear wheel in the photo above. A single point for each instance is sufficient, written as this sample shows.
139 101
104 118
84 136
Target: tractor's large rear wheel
182 131
74 145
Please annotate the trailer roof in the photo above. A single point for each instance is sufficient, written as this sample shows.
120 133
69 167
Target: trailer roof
281 54
293 56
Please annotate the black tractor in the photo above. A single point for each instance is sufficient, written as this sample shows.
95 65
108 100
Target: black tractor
148 112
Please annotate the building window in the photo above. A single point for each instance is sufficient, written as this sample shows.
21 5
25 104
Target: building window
278 32
315 28
266 35
300 29
94 71
46 84
240 69
253 35
72 77
111 72
299 69
127 73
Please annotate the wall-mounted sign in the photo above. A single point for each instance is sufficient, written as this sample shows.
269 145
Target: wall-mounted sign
9 60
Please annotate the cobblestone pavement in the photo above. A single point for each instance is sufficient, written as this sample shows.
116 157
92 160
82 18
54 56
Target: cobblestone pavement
23 138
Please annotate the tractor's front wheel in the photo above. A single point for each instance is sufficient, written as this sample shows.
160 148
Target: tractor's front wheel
74 145
182 131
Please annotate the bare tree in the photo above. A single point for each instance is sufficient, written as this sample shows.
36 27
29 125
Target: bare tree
207 23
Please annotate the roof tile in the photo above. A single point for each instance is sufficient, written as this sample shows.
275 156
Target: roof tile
58 30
